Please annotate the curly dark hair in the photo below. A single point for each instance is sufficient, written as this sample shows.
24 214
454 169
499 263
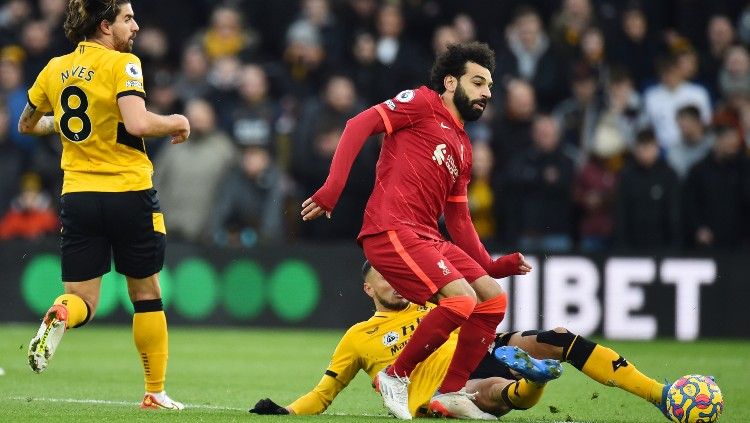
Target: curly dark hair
453 62
82 17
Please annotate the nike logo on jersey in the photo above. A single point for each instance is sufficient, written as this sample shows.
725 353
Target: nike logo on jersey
444 126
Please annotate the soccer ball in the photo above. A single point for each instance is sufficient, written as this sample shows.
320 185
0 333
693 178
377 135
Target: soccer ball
694 399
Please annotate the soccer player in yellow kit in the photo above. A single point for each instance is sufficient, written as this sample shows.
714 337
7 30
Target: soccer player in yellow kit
109 207
375 343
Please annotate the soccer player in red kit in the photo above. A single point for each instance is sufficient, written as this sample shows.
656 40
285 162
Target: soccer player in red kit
423 172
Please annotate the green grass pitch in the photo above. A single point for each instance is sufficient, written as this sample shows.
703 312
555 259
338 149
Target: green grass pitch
220 373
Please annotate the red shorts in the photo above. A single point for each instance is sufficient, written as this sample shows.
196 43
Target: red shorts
418 267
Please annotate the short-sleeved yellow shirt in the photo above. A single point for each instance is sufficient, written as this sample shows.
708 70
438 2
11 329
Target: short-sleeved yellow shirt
81 89
373 345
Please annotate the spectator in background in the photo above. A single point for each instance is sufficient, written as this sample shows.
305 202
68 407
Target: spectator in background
593 53
227 35
648 205
481 198
318 14
398 54
253 117
717 195
443 37
695 141
595 191
304 59
52 13
511 128
367 73
192 80
465 28
251 200
31 214
223 80
636 46
10 162
734 75
579 114
337 104
662 101
528 56
621 110
13 90
188 178
720 34
36 43
569 24
13 15
310 171
540 192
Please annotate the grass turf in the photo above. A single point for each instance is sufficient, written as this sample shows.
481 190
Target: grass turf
220 373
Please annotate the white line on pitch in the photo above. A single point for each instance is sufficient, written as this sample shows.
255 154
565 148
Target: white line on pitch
128 403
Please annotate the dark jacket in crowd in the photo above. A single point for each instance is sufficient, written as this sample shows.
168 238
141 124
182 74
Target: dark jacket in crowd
648 207
717 196
540 194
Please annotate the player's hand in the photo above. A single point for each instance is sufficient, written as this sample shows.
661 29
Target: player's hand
310 210
183 129
267 406
512 264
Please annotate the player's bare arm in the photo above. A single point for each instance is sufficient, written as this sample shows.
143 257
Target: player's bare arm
33 122
142 123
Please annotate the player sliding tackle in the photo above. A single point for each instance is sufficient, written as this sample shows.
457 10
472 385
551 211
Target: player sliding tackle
423 173
375 343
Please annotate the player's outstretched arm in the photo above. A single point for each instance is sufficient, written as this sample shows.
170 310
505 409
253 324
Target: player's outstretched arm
142 123
33 122
462 232
267 406
356 132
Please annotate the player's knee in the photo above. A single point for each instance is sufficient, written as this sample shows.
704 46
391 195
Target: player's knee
461 305
558 340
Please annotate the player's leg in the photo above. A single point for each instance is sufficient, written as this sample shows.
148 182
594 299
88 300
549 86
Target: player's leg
478 332
85 257
598 362
498 395
139 247
415 268
151 339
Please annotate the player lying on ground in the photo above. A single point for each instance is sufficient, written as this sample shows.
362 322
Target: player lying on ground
374 344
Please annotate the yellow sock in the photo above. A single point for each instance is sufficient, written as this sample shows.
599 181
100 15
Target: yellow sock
151 340
522 394
78 311
610 368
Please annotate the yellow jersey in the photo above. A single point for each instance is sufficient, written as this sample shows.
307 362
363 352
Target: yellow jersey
81 89
371 346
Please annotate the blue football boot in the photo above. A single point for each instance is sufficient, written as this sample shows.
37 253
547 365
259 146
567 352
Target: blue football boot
535 370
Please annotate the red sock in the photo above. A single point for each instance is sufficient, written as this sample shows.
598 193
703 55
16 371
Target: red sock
473 341
432 332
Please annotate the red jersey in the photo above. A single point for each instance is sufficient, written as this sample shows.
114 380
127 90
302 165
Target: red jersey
425 161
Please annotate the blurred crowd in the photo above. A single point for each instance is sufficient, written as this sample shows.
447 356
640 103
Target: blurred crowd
615 124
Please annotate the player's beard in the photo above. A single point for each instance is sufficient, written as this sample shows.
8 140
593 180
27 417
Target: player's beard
465 105
123 45
397 305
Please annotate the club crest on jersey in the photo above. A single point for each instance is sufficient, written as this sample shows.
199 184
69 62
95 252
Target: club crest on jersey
441 265
133 70
390 338
405 96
